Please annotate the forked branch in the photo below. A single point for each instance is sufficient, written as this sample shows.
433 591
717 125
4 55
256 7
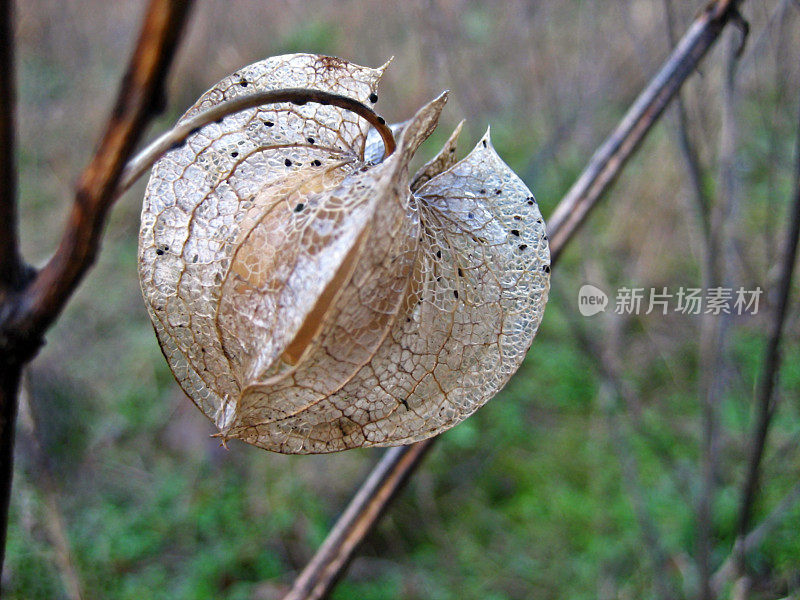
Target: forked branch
328 564
140 97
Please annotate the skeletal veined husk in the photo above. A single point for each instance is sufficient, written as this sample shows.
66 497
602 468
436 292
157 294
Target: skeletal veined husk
309 296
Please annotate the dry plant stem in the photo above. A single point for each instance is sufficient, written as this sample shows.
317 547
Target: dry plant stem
10 264
45 480
689 151
729 568
777 26
607 162
357 520
765 396
175 137
327 565
714 328
34 305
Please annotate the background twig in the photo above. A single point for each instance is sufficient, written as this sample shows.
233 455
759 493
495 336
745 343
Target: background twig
751 541
326 567
46 482
766 401
687 146
713 327
606 163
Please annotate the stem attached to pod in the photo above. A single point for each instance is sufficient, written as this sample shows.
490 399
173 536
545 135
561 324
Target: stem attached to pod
177 135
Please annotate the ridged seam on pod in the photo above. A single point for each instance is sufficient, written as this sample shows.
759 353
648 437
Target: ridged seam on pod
309 296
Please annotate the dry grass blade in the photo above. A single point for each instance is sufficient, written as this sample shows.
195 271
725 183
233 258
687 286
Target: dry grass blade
327 566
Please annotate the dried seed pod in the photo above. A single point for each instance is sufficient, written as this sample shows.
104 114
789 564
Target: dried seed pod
310 297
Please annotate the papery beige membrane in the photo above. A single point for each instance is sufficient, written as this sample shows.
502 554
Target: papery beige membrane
306 299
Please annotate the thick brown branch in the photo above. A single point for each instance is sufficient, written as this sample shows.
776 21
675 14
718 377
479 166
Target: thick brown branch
9 387
139 98
27 313
328 564
10 266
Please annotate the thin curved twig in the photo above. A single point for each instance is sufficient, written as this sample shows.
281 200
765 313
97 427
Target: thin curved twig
688 148
139 164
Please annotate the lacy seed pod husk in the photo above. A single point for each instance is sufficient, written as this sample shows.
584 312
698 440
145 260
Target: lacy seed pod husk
310 295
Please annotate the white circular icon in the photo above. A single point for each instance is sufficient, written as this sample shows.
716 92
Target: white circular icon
591 300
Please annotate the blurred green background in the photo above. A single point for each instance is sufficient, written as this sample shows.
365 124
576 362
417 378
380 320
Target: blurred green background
582 478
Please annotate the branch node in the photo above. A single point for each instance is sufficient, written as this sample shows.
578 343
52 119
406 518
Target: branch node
738 21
